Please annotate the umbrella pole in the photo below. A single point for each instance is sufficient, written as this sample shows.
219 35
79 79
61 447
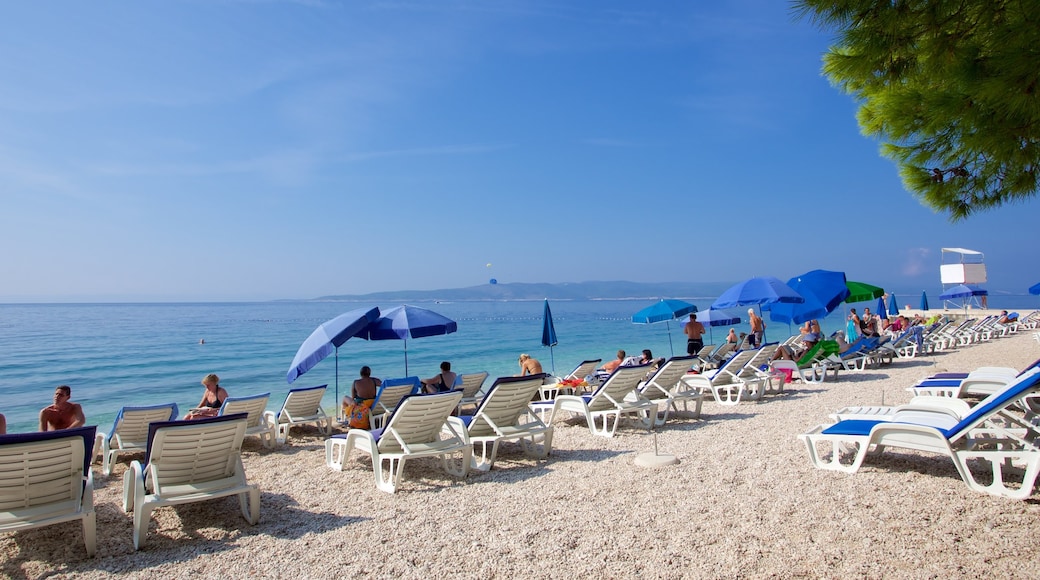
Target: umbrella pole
668 326
406 357
338 406
552 358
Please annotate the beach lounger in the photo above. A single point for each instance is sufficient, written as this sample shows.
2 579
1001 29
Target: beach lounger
45 479
129 433
722 383
608 402
503 415
301 406
471 384
390 395
585 371
994 433
418 427
189 461
665 386
258 421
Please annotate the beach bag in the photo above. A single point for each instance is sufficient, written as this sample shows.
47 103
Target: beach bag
359 414
788 374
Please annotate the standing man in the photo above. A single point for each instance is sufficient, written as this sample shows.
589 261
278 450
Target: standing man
758 328
694 332
63 414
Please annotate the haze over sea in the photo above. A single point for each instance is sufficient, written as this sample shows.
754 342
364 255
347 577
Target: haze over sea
135 354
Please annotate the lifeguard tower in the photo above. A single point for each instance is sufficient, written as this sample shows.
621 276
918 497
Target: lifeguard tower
961 266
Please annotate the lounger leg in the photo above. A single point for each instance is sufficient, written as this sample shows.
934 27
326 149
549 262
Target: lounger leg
838 447
465 462
90 532
1000 463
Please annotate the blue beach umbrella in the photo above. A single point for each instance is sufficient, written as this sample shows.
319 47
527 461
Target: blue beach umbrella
924 300
712 318
881 308
664 311
326 339
893 306
762 290
406 322
549 333
823 291
962 291
1035 289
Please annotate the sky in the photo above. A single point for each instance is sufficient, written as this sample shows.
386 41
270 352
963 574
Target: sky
203 150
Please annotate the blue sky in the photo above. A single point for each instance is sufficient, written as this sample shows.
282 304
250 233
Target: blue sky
240 150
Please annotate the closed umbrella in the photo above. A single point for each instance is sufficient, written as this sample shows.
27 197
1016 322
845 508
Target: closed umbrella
664 311
549 333
406 322
924 300
326 339
893 306
881 311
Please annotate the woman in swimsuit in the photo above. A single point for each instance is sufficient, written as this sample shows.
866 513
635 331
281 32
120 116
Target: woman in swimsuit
212 399
444 381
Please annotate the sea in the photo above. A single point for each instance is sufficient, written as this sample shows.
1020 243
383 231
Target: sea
113 355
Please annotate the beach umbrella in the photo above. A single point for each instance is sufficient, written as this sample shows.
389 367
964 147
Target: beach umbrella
326 339
664 311
861 292
762 290
712 318
1034 289
962 291
893 306
406 322
823 291
881 311
924 300
549 333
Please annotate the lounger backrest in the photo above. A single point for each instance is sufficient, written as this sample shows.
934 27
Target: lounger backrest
253 406
471 383
301 403
505 401
43 472
392 391
667 376
1026 384
131 424
618 385
194 452
584 369
417 420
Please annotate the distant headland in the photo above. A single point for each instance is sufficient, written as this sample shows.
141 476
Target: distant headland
609 290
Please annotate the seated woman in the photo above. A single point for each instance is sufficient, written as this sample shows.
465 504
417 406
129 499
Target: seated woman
211 401
358 408
442 382
810 333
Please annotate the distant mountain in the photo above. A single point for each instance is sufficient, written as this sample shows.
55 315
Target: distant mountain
617 290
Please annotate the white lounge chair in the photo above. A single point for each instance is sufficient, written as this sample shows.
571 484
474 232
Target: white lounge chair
129 433
418 427
498 419
585 369
259 421
301 406
471 384
45 479
723 383
666 386
390 395
609 401
189 461
994 432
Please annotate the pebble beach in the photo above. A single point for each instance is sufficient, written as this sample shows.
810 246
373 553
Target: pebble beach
744 501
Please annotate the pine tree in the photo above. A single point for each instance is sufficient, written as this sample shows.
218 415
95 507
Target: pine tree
949 87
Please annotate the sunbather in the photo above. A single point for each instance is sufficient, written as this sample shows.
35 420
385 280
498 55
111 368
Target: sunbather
529 366
614 364
3 424
212 399
63 414
442 382
358 407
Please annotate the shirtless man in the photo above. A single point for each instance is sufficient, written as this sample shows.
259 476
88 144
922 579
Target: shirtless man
614 364
758 328
694 332
63 414
529 366
3 424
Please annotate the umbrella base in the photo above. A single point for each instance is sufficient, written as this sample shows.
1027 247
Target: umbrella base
650 459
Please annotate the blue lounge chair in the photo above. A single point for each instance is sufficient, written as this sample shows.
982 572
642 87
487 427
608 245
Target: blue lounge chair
129 432
995 432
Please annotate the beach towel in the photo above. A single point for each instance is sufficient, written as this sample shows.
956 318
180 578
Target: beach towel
851 334
358 412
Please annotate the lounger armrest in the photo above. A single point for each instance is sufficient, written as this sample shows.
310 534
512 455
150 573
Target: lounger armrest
935 391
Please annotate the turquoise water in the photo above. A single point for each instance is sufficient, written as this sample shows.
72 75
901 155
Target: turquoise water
136 354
